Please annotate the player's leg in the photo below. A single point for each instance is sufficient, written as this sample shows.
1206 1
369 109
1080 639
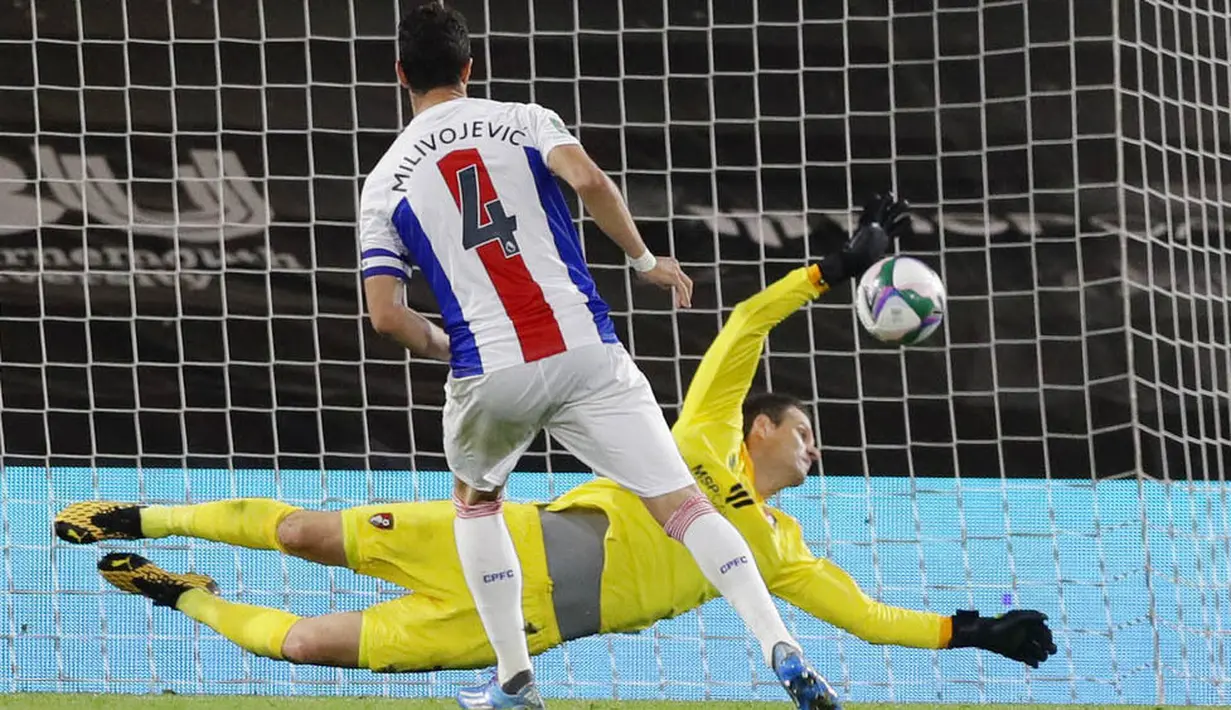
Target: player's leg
256 523
264 631
489 422
493 575
618 429
414 633
327 640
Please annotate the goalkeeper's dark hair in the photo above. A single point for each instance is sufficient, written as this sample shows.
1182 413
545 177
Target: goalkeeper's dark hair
772 405
433 46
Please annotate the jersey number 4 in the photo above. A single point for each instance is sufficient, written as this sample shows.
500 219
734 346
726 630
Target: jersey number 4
483 216
487 231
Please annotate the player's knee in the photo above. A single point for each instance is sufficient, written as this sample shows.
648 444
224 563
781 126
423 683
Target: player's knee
465 494
295 533
313 535
296 647
304 645
664 506
319 645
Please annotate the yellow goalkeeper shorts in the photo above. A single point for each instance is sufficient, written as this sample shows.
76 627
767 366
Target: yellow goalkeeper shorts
437 626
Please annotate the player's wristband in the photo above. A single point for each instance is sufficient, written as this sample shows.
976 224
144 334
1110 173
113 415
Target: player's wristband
646 262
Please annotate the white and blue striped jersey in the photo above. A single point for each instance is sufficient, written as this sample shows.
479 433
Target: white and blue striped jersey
465 194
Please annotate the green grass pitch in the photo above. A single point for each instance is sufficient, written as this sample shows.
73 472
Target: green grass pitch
56 701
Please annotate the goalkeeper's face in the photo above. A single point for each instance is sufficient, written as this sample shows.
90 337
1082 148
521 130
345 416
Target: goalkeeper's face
782 452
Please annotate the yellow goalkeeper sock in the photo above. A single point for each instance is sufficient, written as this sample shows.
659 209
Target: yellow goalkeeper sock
258 629
246 522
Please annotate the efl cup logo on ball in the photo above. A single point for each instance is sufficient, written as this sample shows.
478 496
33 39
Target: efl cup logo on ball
900 300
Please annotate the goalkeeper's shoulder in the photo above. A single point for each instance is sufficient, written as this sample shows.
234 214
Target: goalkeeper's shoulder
706 442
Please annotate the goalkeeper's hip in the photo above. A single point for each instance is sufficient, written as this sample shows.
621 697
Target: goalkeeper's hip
417 633
437 626
561 600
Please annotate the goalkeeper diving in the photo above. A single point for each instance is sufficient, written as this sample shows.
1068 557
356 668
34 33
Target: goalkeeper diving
594 559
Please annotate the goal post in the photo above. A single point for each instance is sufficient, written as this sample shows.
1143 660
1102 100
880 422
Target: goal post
181 317
1176 124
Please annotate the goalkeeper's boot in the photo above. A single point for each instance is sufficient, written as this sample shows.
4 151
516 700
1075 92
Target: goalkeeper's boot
95 520
491 696
135 574
807 688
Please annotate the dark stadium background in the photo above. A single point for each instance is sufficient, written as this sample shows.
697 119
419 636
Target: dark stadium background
1025 387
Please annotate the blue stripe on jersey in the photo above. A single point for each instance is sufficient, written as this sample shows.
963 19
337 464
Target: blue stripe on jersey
372 253
386 271
465 359
568 244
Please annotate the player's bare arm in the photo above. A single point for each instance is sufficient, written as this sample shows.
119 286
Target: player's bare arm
393 319
603 201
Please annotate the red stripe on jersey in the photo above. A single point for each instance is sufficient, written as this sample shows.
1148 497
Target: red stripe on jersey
538 332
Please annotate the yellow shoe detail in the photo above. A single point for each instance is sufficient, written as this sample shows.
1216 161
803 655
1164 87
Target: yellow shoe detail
92 521
134 574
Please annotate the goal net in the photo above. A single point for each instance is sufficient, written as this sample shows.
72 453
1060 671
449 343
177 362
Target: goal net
180 317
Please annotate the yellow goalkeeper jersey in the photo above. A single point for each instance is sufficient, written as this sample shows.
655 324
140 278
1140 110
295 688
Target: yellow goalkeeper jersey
648 576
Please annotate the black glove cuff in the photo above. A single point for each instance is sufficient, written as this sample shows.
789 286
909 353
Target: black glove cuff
967 630
833 269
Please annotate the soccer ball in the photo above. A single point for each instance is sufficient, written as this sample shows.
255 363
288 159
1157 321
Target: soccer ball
900 300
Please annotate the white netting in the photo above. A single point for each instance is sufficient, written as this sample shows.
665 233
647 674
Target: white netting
179 314
1176 125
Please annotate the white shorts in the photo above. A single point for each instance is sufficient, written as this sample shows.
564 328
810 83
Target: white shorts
593 400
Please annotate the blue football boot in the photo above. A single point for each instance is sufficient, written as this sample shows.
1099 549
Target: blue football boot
490 696
806 687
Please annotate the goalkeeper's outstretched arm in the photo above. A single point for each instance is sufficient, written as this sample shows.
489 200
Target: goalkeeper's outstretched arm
826 591
722 380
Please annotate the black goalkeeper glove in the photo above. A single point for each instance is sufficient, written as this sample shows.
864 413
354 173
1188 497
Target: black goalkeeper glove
1022 635
884 219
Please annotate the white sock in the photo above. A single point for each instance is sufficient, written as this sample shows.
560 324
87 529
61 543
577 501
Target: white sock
725 560
493 574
